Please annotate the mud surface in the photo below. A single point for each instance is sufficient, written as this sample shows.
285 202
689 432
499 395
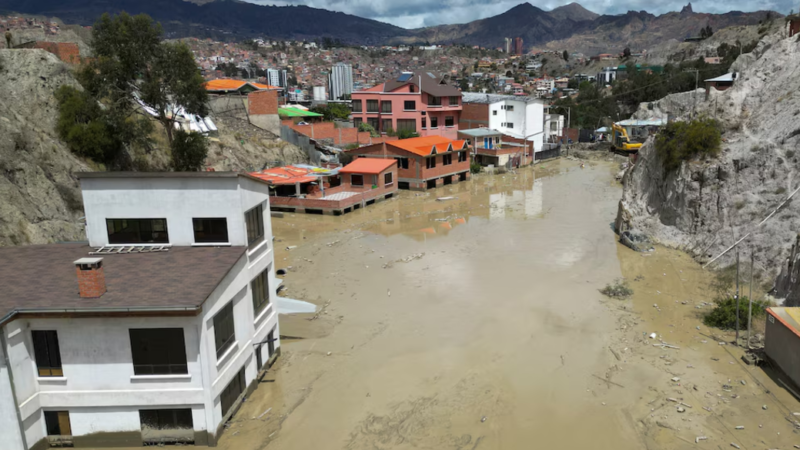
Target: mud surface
476 323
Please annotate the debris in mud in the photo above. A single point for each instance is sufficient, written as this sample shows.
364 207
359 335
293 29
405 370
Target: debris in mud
700 438
483 419
618 289
291 247
636 240
442 199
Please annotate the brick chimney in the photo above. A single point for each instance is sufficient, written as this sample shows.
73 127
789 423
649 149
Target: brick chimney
91 279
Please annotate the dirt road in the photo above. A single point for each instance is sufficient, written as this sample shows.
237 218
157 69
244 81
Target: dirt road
476 323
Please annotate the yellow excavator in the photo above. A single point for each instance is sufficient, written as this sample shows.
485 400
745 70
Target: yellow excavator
621 143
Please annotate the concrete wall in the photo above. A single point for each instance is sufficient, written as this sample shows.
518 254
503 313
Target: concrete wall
780 345
9 424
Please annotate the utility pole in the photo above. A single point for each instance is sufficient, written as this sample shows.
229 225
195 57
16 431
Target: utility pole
737 297
750 298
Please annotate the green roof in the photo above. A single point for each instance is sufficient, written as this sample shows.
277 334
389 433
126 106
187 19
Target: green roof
296 112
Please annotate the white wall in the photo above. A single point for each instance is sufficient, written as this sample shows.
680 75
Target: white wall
9 425
526 117
534 124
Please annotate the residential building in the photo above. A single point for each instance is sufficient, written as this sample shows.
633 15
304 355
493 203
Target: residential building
553 127
562 83
153 332
606 76
781 340
508 44
421 102
545 86
720 83
423 162
340 81
277 77
226 86
520 119
518 47
331 191
488 149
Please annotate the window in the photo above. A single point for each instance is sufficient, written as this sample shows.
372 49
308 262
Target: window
158 351
57 423
386 125
409 105
424 123
210 230
553 126
449 121
430 163
407 124
372 106
357 180
357 105
494 113
137 231
357 122
402 163
47 352
510 125
434 122
509 107
231 392
434 101
447 159
462 156
224 332
260 288
387 179
166 419
254 219
386 107
453 100
373 122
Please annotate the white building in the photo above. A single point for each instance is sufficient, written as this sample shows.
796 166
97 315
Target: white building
319 93
518 117
606 76
277 77
340 81
153 331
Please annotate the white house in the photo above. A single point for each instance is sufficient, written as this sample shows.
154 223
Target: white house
553 127
152 332
518 117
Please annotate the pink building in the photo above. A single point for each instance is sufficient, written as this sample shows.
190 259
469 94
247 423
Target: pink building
421 102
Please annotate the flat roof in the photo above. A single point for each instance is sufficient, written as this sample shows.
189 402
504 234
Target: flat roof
480 132
297 112
286 175
42 278
727 77
789 316
372 166
84 175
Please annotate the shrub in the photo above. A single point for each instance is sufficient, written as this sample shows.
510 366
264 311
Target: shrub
724 314
369 128
684 141
474 167
189 151
618 289
406 134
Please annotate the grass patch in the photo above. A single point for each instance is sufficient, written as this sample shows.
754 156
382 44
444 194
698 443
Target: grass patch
685 141
780 190
618 289
723 315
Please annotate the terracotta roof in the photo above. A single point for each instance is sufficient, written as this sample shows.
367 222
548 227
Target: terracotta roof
227 84
285 175
42 277
372 166
427 82
427 145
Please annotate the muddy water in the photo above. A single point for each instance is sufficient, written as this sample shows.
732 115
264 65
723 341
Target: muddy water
473 322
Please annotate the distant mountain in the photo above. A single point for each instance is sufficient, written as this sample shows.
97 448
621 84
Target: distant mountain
569 27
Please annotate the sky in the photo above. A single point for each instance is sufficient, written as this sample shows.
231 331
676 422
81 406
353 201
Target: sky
423 13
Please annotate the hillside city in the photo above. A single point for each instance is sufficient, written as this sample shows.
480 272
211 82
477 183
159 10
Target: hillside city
214 235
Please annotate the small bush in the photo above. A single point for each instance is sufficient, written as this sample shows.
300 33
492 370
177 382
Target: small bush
369 128
617 289
189 151
684 141
790 153
723 315
406 134
474 167
780 190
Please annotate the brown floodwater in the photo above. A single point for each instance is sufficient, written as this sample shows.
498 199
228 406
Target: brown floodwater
477 323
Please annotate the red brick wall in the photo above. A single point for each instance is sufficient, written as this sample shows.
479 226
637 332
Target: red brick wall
417 167
794 27
340 136
366 193
66 51
91 283
474 115
571 133
262 102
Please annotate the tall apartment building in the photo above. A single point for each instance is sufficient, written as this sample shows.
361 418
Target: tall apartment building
277 77
507 46
340 81
518 48
153 331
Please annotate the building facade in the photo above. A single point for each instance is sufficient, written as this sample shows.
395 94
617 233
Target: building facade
520 119
422 103
153 332
518 47
340 81
277 77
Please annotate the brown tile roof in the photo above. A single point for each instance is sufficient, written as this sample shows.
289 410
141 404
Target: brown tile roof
427 82
42 277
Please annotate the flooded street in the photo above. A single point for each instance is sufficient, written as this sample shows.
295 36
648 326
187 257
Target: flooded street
476 323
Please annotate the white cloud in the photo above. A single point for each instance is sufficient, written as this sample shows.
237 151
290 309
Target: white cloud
421 13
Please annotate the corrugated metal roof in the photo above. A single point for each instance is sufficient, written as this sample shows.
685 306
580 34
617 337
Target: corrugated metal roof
480 132
473 97
729 77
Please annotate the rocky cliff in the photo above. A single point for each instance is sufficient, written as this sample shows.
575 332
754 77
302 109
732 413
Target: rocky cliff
706 206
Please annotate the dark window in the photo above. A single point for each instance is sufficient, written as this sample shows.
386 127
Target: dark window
231 392
462 156
388 180
434 101
424 123
453 100
509 107
434 122
510 125
166 419
255 224
402 163
57 423
357 104
430 162
210 230
260 288
372 106
386 107
158 351
357 121
48 354
137 231
449 121
357 180
407 124
447 159
386 125
409 105
494 113
224 332
271 343
373 122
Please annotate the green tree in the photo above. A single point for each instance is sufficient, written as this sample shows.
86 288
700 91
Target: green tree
8 38
626 53
463 85
566 55
683 141
369 128
189 151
